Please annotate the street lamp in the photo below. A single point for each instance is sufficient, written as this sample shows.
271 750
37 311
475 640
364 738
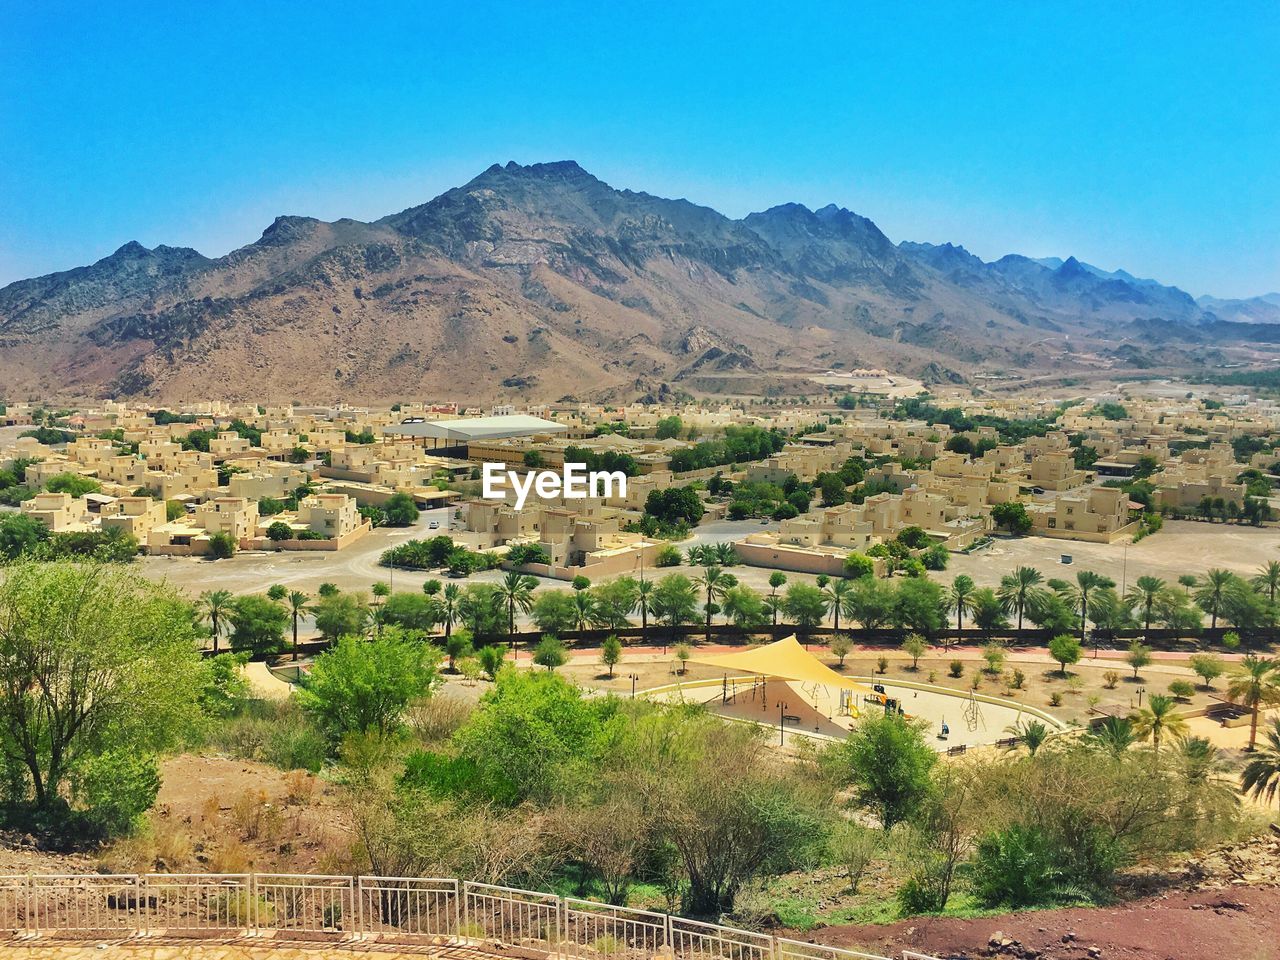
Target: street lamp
782 718
633 678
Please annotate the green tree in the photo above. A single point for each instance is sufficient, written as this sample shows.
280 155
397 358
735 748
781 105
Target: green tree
960 598
921 606
222 546
1114 735
776 580
839 596
554 611
20 535
492 658
73 484
1011 516
516 593
1268 579
550 653
215 605
1143 595
298 605
400 510
1139 656
339 614
1158 719
611 652
873 603
914 647
744 607
257 624
364 686
1066 649
1210 591
615 600
1254 683
279 531
98 667
1261 775
805 606
1020 589
1086 583
714 582
841 646
1032 734
675 600
857 565
644 605
888 763
1208 667
987 610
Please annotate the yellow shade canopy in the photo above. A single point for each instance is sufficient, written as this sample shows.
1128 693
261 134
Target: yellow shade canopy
784 659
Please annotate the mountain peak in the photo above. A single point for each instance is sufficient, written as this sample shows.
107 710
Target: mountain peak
552 170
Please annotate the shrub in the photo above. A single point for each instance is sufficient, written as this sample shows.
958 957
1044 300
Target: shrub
956 669
882 665
1055 699
222 546
279 531
668 556
1016 867
1018 679
1110 679
1182 689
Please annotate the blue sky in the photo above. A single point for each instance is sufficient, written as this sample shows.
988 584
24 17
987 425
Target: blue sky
1138 135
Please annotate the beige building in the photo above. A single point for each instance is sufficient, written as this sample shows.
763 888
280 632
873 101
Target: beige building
1100 516
136 516
1056 471
60 512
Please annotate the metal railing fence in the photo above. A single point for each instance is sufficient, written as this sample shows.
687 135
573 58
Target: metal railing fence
397 910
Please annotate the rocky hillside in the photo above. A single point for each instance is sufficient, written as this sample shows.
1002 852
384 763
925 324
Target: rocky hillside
544 282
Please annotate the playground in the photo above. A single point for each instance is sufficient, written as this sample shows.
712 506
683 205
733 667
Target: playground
783 686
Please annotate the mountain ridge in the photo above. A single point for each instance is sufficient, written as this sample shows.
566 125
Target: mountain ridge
542 280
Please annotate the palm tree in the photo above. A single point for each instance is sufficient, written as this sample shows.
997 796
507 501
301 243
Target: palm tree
722 553
1019 589
1114 735
297 602
450 607
839 594
1157 718
696 555
1261 775
715 582
1268 579
1254 684
644 603
960 599
1143 594
1033 733
1086 582
585 614
516 591
776 580
1209 592
216 605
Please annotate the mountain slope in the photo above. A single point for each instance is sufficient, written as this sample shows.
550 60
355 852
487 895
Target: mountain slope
543 281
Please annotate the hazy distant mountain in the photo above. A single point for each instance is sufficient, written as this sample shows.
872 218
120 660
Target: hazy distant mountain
1263 309
543 281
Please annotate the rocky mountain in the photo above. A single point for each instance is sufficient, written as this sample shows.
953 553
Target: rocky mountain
543 281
